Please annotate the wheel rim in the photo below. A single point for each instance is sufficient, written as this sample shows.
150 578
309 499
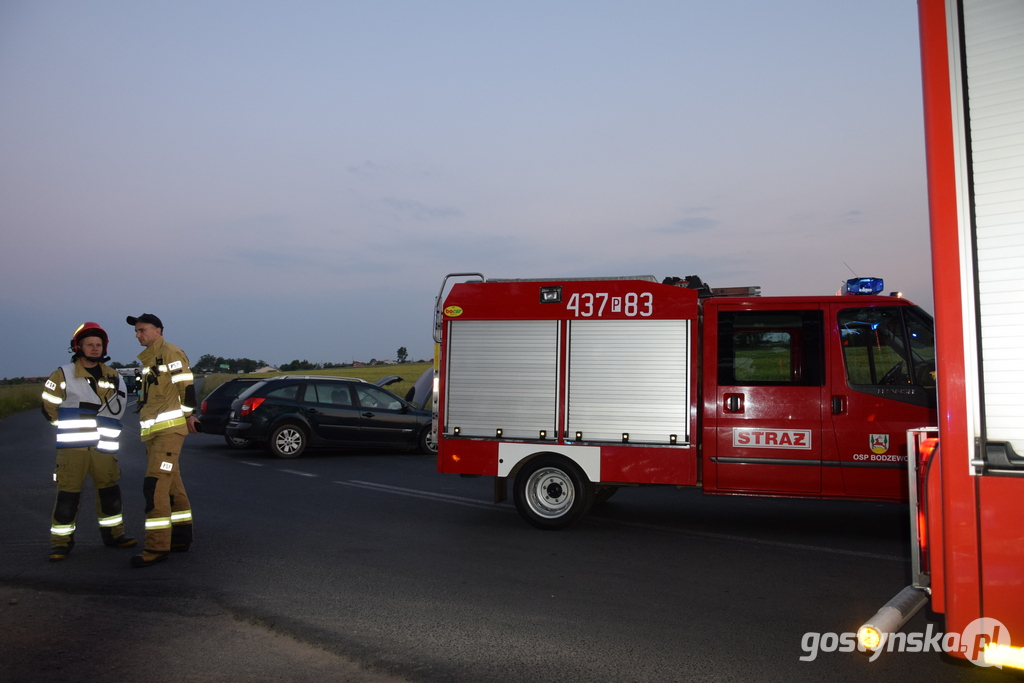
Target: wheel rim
288 441
550 493
238 441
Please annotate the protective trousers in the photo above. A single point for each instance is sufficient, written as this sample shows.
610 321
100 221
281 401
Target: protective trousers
73 465
168 513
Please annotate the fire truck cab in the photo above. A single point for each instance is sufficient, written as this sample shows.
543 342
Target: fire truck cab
573 388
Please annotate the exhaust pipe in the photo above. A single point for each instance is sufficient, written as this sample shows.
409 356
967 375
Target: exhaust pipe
892 617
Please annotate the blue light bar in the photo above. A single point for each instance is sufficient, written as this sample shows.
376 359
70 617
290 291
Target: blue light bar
863 285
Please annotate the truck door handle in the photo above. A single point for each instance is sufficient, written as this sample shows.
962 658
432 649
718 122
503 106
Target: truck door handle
733 403
838 405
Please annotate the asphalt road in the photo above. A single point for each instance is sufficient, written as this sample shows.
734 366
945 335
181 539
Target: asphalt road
357 566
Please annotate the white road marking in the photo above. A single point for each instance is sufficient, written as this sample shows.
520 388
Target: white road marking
251 464
414 493
473 502
301 474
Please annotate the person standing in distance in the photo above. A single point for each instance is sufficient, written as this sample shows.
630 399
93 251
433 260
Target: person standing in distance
167 399
85 400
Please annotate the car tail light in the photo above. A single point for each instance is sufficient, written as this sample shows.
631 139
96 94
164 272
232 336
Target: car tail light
202 408
251 404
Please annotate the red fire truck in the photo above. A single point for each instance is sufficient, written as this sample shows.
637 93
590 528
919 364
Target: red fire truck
966 498
576 387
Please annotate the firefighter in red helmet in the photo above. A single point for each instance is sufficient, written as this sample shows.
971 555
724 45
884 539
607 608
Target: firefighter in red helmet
85 400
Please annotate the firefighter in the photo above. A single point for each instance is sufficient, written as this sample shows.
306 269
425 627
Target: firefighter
167 399
85 400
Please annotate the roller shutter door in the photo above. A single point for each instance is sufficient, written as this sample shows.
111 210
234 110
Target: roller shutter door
994 44
502 375
629 376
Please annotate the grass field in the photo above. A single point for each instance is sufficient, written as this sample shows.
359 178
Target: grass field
15 398
19 397
409 372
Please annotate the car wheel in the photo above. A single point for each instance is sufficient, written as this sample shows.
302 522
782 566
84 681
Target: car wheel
236 442
288 441
427 444
552 493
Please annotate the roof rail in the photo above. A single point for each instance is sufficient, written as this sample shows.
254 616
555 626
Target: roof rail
350 379
645 278
704 291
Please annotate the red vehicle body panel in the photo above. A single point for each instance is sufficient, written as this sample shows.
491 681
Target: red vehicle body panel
975 538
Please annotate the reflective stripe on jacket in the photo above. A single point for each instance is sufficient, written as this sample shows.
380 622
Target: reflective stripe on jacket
86 411
167 395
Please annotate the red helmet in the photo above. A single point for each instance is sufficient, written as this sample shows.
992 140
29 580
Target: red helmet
88 330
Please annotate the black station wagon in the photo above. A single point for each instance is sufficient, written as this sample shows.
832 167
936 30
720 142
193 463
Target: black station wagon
215 408
290 413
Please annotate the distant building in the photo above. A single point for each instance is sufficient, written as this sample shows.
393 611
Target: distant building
266 368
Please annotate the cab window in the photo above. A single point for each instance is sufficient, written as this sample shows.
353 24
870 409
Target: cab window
886 346
771 348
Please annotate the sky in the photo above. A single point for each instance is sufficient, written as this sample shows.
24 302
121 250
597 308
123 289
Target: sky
293 180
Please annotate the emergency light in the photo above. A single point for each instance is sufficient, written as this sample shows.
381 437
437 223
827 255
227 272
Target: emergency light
863 285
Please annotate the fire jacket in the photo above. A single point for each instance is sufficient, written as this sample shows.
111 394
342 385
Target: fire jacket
86 411
167 396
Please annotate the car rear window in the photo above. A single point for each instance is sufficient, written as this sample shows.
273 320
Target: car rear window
233 389
287 392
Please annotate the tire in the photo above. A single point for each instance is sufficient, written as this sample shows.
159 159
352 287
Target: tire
552 493
236 442
427 444
288 441
603 493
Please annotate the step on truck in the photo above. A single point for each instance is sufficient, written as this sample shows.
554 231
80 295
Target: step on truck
574 388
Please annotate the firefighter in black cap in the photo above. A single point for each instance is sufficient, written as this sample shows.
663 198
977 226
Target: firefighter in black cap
167 401
85 399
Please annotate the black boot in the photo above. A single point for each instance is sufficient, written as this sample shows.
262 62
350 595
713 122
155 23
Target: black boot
148 558
122 541
181 538
61 552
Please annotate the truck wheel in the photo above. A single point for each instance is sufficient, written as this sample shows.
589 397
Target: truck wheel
552 493
287 441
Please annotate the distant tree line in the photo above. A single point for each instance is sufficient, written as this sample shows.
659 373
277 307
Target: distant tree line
210 363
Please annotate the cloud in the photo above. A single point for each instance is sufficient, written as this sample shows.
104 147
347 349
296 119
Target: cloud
688 225
367 168
420 211
264 258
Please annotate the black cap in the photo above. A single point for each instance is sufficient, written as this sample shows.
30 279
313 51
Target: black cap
145 318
